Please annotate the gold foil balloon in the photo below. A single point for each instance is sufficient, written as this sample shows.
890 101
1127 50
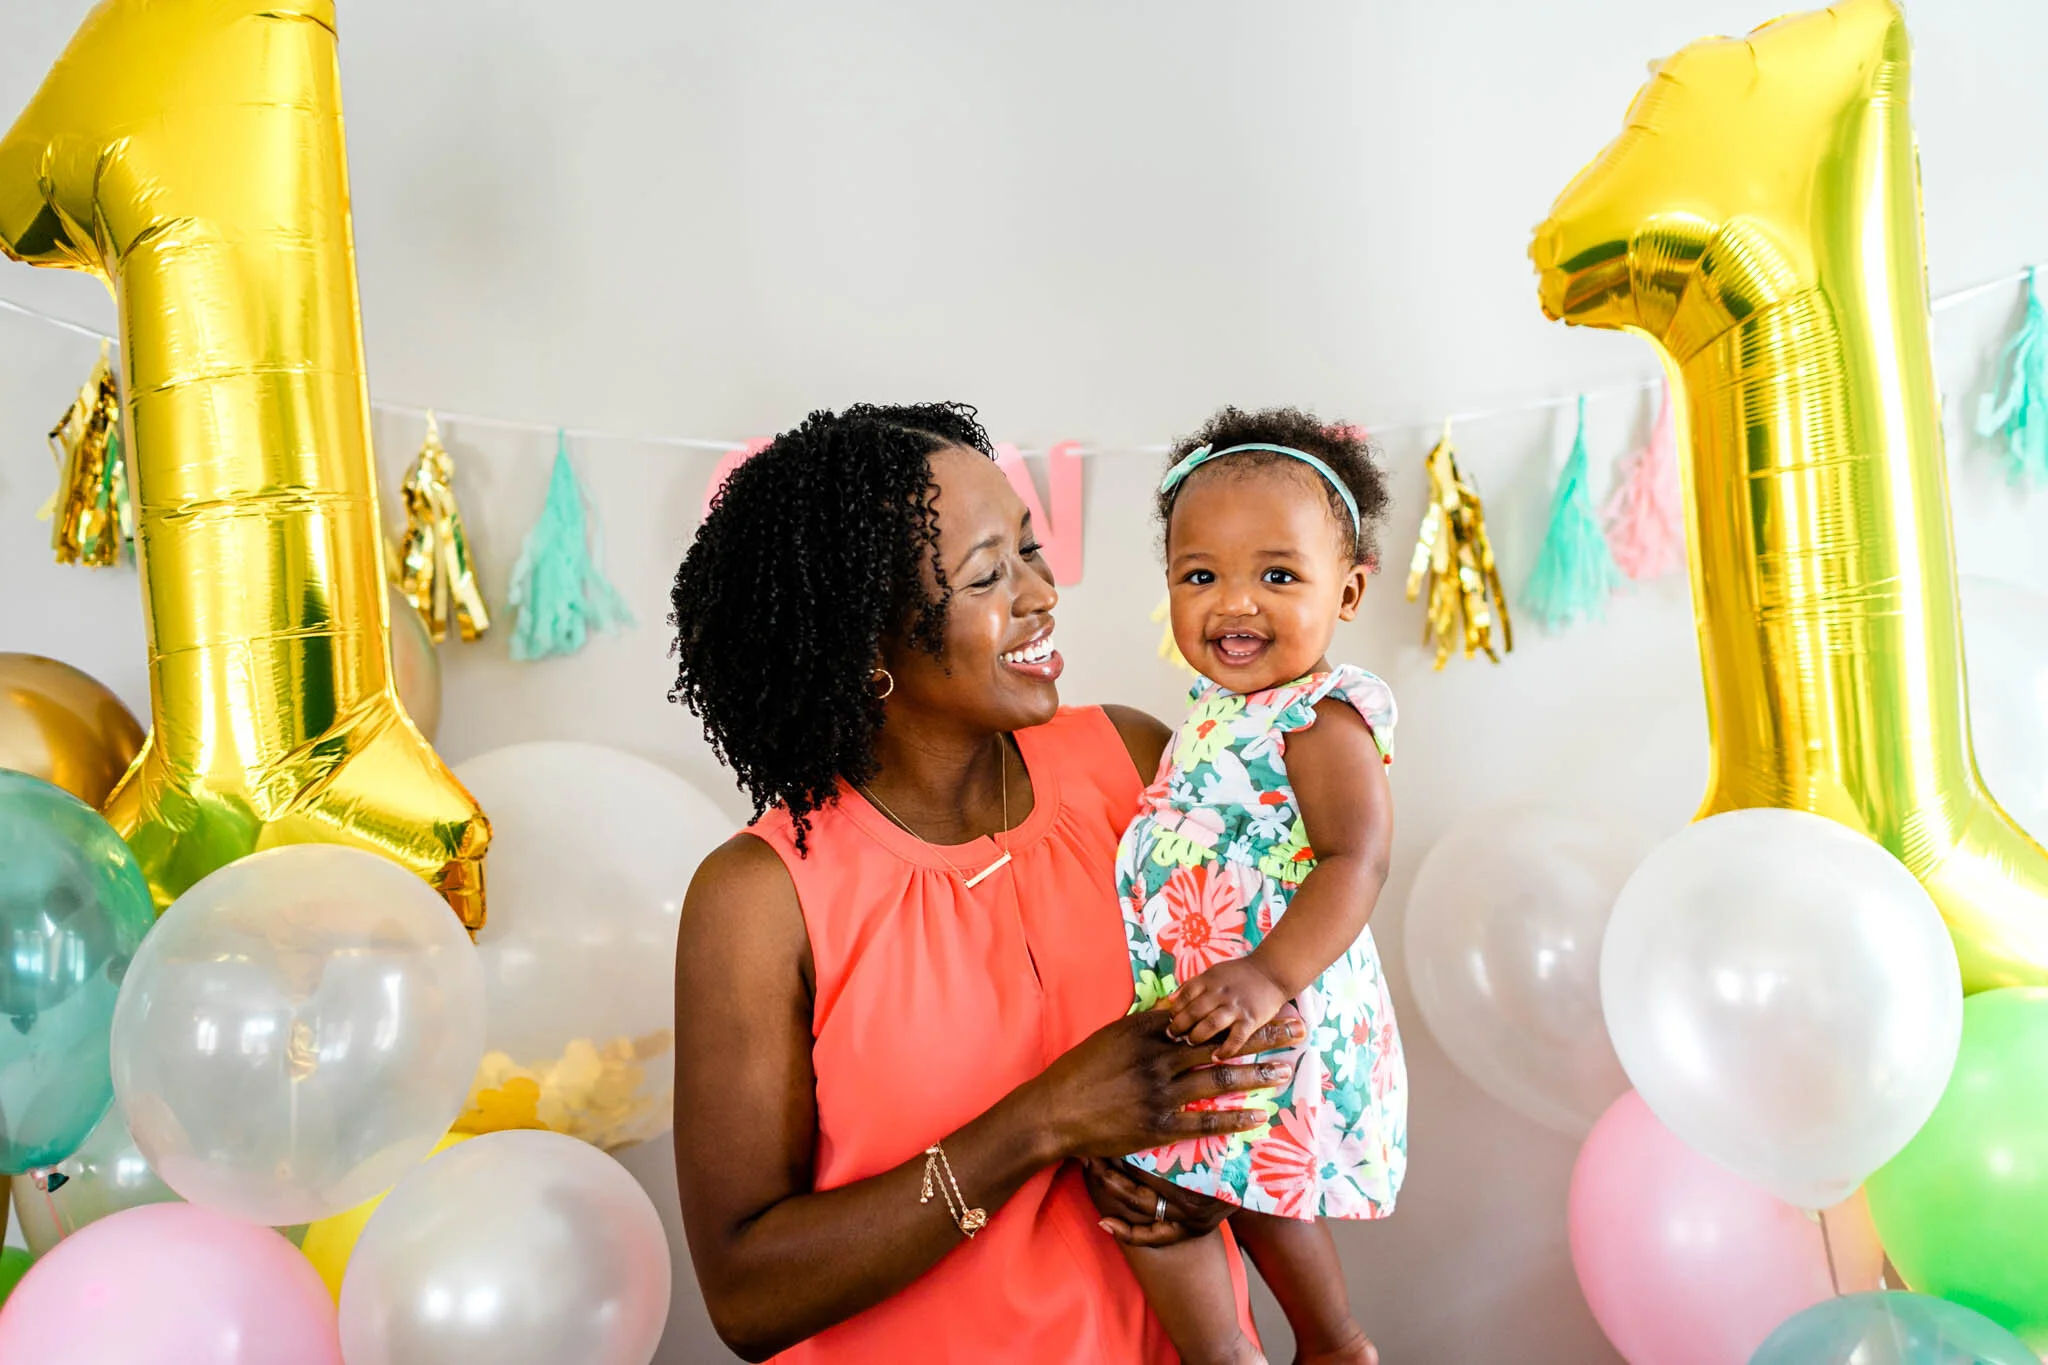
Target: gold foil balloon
58 724
191 155
415 664
1759 221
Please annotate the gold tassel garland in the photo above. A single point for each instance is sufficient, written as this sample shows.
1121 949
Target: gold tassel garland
435 569
91 516
1452 551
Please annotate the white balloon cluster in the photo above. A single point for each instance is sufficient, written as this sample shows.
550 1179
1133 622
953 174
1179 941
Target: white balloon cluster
1780 990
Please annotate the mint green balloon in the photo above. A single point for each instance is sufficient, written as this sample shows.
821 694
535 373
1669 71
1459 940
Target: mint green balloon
73 909
1891 1329
1963 1210
14 1263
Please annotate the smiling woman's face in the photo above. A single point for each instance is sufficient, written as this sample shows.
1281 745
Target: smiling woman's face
998 670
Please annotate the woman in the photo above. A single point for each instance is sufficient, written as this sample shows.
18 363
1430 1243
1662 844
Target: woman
900 995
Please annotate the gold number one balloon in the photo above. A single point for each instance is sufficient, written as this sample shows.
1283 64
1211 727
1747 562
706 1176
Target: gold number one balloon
189 152
1759 221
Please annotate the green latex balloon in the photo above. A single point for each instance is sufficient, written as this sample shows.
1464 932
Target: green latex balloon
14 1263
73 909
1963 1210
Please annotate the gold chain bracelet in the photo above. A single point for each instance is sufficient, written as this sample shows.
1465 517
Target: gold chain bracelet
938 1175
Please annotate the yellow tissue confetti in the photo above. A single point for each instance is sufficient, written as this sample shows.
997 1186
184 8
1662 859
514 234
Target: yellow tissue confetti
592 1091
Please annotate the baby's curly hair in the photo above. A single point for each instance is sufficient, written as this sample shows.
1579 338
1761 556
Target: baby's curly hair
1344 449
812 555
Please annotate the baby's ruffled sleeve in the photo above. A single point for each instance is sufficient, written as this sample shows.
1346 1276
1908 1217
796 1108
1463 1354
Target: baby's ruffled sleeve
1367 693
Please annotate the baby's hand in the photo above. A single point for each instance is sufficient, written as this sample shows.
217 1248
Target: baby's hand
1232 1001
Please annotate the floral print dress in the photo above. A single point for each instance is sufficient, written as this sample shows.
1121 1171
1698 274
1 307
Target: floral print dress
1204 872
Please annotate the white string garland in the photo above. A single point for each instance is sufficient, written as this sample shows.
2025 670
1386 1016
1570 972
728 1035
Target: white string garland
1456 419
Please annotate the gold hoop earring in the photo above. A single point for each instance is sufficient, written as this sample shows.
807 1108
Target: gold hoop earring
885 679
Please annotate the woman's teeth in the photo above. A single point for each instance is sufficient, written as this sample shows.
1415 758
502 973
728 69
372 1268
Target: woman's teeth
1037 652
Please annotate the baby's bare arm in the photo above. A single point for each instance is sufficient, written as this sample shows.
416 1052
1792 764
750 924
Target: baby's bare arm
1347 806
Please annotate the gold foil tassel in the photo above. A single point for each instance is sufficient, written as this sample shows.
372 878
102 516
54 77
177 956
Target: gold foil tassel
1454 556
435 569
91 517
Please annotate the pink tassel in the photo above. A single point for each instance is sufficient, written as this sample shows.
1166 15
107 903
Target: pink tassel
1645 514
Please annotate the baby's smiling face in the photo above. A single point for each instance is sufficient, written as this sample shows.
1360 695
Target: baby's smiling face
1259 572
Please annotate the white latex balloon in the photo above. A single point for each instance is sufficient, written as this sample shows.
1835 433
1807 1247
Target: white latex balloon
297 1032
1785 997
591 852
525 1248
1502 938
2005 638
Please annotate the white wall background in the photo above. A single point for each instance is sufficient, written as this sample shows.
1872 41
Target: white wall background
1097 221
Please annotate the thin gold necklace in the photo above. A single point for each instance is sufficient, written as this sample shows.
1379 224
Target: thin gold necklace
1003 762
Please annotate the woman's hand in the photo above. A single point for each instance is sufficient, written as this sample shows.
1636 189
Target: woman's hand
1130 1209
1125 1087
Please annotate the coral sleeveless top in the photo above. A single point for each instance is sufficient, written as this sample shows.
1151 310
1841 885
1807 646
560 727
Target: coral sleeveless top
935 1001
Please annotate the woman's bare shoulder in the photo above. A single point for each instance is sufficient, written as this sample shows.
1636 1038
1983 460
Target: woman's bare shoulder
742 909
745 860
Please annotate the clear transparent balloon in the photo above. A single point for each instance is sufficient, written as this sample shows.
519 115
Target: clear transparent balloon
551 1248
108 1174
592 850
1502 939
1785 997
297 1032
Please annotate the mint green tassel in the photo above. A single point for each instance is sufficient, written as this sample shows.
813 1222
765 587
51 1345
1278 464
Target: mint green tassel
1575 571
2021 416
556 586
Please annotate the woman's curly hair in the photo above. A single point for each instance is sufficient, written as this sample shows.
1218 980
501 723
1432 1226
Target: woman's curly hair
1344 449
812 555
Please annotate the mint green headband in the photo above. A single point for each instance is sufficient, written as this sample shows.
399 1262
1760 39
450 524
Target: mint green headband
1197 458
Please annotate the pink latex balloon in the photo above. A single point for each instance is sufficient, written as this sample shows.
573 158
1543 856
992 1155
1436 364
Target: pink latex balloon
1685 1263
170 1284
